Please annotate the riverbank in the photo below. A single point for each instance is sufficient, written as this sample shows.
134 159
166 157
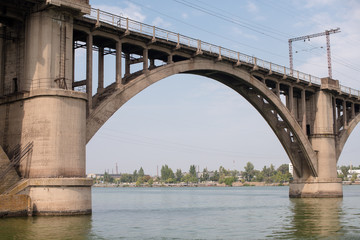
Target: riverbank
205 184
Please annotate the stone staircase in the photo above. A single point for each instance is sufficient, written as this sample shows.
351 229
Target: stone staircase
12 178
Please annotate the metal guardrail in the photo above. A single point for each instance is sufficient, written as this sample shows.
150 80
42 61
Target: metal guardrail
200 46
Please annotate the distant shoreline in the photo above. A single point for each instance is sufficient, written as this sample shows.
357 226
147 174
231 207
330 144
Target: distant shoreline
208 184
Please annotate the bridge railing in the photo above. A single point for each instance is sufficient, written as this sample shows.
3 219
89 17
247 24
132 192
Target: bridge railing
200 46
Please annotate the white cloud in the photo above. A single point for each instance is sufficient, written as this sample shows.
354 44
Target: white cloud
131 11
318 3
251 7
159 22
185 16
239 33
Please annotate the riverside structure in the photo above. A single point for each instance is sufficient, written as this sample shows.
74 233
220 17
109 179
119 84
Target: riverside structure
44 108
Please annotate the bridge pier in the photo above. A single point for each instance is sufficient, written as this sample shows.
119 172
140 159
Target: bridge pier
326 184
41 109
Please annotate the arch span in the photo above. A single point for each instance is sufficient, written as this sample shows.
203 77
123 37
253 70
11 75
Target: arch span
268 104
343 137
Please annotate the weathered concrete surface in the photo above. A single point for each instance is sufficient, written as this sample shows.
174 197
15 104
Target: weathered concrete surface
15 205
315 188
59 196
11 178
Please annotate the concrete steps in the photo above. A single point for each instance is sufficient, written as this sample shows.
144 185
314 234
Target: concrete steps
11 178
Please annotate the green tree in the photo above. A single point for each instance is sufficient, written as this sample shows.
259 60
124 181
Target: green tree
284 168
135 176
192 171
178 175
141 172
205 175
126 178
108 178
345 170
150 182
248 174
215 177
166 173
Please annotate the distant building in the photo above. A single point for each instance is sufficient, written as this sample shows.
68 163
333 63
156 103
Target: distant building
291 169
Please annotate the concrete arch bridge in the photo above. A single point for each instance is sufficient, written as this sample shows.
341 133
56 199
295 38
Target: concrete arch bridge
42 103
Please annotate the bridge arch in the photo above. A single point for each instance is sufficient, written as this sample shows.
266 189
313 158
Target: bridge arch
345 134
267 103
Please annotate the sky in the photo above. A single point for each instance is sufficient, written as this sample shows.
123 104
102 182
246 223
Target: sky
188 120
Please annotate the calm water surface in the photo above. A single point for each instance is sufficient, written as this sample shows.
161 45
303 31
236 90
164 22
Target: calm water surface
199 213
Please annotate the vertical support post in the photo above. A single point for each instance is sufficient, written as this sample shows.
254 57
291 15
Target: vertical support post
335 117
291 57
170 59
352 110
89 62
145 60
345 114
118 62
127 64
152 64
328 53
291 99
73 67
278 89
303 110
100 69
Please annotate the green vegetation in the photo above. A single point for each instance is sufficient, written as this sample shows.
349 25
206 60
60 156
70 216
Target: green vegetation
222 176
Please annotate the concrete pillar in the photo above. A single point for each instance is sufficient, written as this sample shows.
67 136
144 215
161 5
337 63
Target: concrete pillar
53 119
335 117
145 60
152 64
291 100
326 183
127 64
118 62
170 59
89 72
352 110
345 118
278 89
303 110
100 70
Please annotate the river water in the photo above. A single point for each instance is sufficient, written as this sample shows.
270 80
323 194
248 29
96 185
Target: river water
199 213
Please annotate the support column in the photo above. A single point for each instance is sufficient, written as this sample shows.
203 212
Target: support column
352 110
326 183
335 117
170 59
53 119
303 110
291 100
89 72
127 64
152 64
100 70
118 63
278 89
345 118
145 60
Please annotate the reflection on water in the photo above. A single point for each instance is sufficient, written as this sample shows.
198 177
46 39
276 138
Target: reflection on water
315 217
65 227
